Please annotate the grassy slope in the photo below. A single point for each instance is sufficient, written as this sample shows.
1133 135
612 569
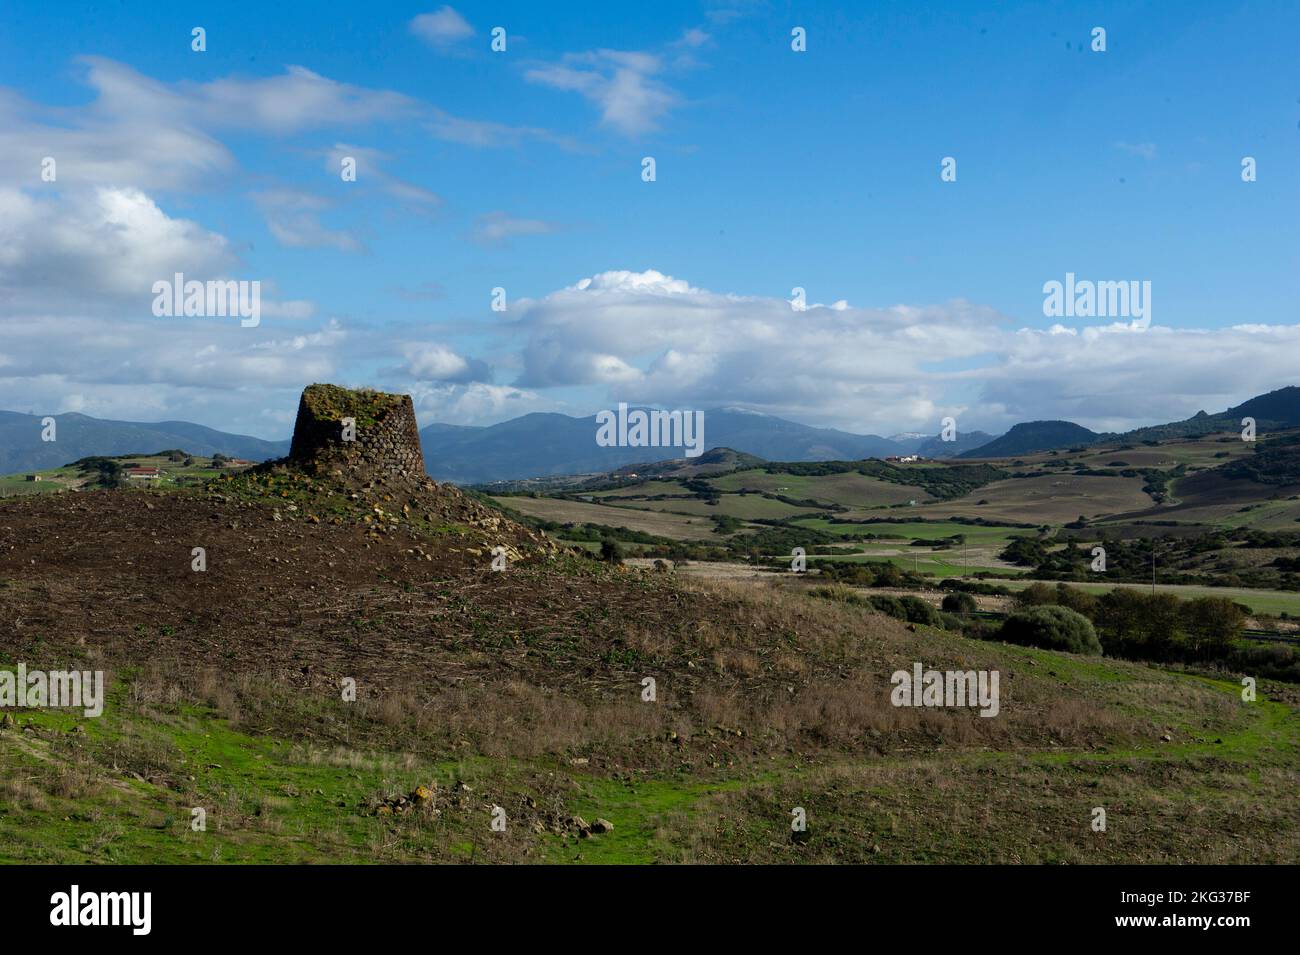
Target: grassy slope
120 788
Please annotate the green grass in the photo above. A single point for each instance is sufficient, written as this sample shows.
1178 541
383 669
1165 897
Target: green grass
1259 601
274 800
848 488
176 474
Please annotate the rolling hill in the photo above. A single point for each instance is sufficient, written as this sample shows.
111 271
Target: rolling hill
1035 436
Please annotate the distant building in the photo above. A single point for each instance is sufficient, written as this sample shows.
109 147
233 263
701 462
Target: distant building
144 474
33 477
904 459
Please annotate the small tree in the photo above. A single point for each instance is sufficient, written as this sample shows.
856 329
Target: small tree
610 552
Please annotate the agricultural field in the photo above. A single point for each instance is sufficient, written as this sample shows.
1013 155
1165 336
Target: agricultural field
1046 499
1205 452
175 473
675 526
644 489
1271 602
744 507
850 488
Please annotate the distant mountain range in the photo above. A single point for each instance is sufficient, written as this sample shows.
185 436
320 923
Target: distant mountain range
78 436
548 444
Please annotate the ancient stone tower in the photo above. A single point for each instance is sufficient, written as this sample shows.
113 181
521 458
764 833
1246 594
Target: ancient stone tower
384 440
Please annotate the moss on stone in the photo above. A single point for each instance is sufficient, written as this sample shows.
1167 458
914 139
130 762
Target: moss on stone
332 403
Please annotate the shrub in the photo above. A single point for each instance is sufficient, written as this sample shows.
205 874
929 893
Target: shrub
980 628
610 552
959 603
841 593
891 606
916 610
1036 595
1052 628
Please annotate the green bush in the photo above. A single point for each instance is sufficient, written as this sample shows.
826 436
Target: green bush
959 603
951 621
980 628
891 606
1052 628
916 610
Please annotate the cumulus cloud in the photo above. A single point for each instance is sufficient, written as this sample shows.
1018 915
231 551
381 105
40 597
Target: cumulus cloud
648 337
103 243
435 362
474 403
210 370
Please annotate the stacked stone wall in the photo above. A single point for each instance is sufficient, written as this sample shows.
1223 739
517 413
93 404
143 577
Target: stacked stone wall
386 438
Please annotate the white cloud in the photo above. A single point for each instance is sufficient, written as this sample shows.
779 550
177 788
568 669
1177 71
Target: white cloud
158 136
648 337
293 217
622 84
207 370
296 100
436 362
84 246
370 170
498 228
474 403
441 28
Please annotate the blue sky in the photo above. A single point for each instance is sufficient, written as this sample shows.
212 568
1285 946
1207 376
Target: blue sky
775 169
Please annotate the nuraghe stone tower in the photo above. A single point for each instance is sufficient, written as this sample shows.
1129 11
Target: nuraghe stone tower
387 440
